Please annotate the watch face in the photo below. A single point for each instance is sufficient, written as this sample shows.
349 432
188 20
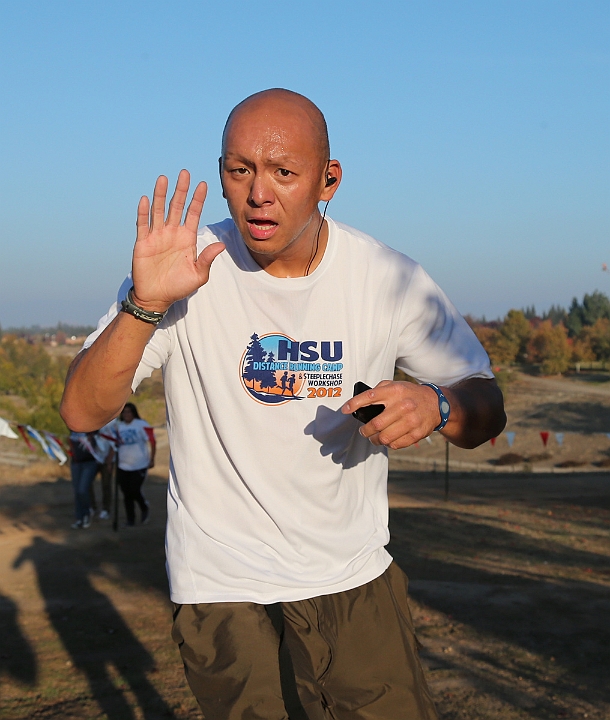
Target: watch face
444 407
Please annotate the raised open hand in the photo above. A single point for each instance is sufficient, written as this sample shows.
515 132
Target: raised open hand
165 263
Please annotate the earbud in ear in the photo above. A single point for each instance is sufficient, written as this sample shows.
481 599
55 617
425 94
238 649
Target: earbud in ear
330 180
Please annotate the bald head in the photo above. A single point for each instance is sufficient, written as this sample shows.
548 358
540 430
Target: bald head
284 106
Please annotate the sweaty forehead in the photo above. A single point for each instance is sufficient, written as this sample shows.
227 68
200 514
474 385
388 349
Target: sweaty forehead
270 139
283 124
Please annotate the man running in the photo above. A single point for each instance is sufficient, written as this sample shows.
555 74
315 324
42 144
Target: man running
277 506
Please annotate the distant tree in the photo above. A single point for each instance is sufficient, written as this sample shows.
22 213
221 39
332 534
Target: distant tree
573 320
556 314
38 331
598 336
581 348
593 307
488 337
530 313
514 335
29 372
506 343
549 346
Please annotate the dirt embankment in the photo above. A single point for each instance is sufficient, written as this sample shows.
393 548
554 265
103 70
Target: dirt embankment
574 411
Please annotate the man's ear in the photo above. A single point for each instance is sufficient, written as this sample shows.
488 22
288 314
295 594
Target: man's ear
332 179
220 173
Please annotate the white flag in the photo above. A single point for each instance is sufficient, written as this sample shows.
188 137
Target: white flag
559 438
5 430
510 438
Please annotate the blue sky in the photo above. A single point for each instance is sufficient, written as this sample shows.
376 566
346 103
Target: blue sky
474 136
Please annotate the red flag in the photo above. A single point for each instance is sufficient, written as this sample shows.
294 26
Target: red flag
544 434
493 441
26 439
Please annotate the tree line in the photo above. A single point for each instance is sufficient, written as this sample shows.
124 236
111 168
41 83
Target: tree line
31 384
552 341
32 381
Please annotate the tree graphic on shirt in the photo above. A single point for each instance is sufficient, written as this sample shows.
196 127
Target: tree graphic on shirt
254 353
267 377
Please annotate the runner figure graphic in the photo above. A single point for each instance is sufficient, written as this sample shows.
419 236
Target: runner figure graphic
291 381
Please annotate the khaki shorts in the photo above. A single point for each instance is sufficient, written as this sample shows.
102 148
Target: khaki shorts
354 655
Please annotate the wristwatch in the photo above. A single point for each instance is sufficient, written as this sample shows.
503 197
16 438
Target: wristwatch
443 405
148 316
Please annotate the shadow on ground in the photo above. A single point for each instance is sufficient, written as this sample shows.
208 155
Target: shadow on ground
492 579
92 631
499 583
17 657
100 644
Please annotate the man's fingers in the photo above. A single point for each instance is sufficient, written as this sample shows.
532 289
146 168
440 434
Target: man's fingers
374 396
396 436
362 400
193 214
157 215
178 201
142 218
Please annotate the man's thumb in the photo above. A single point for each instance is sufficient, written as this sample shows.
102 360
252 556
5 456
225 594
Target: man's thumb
208 254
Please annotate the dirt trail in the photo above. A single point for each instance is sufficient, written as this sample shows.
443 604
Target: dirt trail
571 385
510 588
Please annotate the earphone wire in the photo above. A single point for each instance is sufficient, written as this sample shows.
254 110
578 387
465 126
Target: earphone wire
315 252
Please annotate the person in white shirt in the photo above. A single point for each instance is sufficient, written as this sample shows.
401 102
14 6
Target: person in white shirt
136 447
277 498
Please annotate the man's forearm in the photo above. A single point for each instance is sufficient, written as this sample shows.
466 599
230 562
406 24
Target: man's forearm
99 379
477 412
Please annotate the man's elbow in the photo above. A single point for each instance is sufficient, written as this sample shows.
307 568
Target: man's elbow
486 419
491 424
482 432
494 426
73 416
79 412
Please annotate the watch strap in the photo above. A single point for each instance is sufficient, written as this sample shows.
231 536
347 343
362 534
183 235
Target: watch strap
444 407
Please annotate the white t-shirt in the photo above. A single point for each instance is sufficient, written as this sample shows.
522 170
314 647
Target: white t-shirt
134 453
273 494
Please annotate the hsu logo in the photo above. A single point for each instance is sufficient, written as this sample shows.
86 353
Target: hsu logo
308 350
274 367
